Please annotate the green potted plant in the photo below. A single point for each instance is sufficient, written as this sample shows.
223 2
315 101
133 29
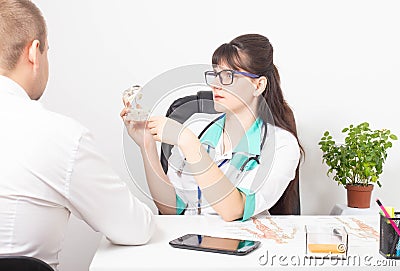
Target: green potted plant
358 162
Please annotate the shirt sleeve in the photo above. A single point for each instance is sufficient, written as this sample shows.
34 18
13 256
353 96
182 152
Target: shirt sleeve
175 162
250 204
180 205
264 187
99 197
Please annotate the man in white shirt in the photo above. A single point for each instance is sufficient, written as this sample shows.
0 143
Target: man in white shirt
49 166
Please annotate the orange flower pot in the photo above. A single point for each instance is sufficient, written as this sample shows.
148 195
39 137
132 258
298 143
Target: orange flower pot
359 196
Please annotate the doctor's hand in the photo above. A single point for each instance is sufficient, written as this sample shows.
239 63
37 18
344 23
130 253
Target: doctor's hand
169 131
137 130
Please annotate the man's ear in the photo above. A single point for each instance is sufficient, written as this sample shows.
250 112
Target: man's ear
33 52
261 86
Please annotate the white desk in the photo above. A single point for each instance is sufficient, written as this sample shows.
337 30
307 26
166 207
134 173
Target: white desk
343 209
159 255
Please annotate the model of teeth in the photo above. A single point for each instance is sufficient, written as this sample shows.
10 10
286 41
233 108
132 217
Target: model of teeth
131 94
136 112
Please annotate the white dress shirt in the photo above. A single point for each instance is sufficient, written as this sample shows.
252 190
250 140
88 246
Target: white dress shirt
49 168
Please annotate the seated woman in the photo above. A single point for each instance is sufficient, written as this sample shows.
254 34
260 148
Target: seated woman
238 163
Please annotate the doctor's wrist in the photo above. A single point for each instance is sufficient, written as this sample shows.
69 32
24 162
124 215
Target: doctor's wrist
189 144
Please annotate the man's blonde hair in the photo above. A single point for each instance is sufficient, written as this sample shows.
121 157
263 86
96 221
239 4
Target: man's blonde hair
21 22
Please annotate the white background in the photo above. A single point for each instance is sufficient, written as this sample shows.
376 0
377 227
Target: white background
338 61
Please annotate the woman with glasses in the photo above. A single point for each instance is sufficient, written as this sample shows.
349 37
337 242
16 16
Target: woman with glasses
237 163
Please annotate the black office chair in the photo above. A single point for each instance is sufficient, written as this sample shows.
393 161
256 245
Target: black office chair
202 102
23 263
183 108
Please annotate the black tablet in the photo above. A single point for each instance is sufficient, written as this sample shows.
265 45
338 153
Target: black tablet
215 244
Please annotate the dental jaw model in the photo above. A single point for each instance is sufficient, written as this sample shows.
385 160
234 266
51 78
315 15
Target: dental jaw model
133 95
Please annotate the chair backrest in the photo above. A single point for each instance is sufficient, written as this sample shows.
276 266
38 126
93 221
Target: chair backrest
23 263
181 109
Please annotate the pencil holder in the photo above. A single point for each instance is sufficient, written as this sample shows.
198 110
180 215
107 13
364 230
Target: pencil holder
389 244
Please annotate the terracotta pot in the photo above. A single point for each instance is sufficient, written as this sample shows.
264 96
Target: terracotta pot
359 196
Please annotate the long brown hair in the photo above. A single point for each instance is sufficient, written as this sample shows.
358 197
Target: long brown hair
254 53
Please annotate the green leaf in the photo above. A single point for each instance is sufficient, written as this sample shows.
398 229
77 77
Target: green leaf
360 159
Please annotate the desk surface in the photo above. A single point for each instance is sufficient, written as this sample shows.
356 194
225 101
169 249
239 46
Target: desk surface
343 209
283 245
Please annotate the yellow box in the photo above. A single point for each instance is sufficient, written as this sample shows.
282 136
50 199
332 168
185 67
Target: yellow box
324 240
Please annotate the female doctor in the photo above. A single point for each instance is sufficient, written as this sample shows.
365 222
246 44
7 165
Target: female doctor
236 164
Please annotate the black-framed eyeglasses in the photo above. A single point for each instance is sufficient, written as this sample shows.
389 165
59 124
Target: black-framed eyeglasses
225 76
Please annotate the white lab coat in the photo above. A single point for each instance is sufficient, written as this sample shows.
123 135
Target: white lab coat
263 185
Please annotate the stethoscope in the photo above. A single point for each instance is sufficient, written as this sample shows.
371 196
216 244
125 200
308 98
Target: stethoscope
241 170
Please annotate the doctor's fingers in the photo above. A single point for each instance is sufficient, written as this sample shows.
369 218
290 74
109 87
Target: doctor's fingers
124 112
153 122
154 133
150 124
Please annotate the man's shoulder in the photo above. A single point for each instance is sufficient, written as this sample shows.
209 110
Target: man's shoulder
58 123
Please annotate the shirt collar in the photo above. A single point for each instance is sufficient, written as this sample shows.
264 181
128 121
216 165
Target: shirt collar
213 133
249 143
9 86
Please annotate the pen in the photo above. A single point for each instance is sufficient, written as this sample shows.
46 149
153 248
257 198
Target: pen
388 217
398 246
199 200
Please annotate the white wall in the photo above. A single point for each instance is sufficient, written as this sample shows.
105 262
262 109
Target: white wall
338 60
